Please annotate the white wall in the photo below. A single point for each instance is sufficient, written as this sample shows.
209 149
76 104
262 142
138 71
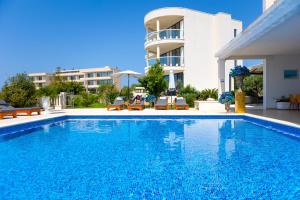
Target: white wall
200 71
204 35
275 85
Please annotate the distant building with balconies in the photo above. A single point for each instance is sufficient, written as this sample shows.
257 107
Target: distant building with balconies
40 79
186 41
90 78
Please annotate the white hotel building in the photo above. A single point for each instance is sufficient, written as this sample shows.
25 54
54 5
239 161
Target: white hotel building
91 78
186 41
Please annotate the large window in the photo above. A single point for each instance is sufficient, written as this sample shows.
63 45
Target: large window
91 75
103 74
102 82
91 82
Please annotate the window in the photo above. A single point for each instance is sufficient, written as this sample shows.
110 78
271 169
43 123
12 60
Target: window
235 32
103 74
91 83
102 82
72 78
81 76
40 78
90 75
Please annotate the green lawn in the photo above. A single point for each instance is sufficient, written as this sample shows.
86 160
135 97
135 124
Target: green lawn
94 105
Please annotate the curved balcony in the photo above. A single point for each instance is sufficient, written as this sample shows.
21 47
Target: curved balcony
164 35
167 61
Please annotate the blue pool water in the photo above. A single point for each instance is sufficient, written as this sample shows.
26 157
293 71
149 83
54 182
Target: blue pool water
150 159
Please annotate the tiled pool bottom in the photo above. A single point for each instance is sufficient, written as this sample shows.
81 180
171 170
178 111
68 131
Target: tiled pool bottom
176 158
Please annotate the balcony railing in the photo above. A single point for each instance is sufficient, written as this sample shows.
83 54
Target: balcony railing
170 61
165 34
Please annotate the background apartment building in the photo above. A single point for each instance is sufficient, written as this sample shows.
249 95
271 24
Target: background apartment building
186 41
90 78
40 79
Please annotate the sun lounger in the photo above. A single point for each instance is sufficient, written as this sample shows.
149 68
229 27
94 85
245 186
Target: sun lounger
162 104
136 106
180 104
7 112
117 105
28 111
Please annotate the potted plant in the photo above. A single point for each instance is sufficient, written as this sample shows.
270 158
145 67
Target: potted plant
239 73
226 98
283 103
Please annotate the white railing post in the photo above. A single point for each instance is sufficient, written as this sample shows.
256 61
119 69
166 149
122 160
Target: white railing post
157 30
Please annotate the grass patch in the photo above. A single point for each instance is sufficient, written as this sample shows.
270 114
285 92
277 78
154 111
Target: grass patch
93 105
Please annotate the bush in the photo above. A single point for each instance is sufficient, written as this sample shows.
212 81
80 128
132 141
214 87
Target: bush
190 94
85 100
107 93
209 93
253 86
19 91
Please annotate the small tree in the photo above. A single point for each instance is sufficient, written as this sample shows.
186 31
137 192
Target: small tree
154 81
107 93
253 86
19 91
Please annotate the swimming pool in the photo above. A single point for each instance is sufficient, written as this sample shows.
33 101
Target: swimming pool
151 158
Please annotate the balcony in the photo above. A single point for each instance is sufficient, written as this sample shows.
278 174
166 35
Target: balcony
168 62
166 34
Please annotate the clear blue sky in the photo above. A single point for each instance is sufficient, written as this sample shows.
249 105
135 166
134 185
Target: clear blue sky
39 35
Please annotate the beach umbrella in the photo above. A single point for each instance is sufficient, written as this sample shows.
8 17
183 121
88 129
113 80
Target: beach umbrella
172 88
171 81
129 74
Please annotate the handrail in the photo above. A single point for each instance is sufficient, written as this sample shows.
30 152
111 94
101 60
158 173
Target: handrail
165 33
171 61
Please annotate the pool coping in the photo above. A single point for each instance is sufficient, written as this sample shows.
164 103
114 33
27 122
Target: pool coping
279 125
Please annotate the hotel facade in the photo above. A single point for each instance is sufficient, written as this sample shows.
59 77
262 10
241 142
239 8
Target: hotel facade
90 78
186 41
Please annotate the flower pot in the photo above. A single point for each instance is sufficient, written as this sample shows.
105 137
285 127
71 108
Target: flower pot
227 107
46 104
240 106
282 105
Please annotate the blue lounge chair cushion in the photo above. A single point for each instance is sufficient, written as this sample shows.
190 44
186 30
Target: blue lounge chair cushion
162 102
181 102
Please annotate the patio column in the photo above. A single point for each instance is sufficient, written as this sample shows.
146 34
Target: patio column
265 79
157 52
181 56
157 29
221 76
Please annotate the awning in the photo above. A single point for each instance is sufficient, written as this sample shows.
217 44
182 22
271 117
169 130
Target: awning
276 32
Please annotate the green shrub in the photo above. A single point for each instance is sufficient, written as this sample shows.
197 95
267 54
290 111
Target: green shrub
19 91
209 93
107 93
85 100
190 94
253 85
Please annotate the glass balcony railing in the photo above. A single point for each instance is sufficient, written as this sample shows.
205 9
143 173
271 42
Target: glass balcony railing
170 61
165 35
